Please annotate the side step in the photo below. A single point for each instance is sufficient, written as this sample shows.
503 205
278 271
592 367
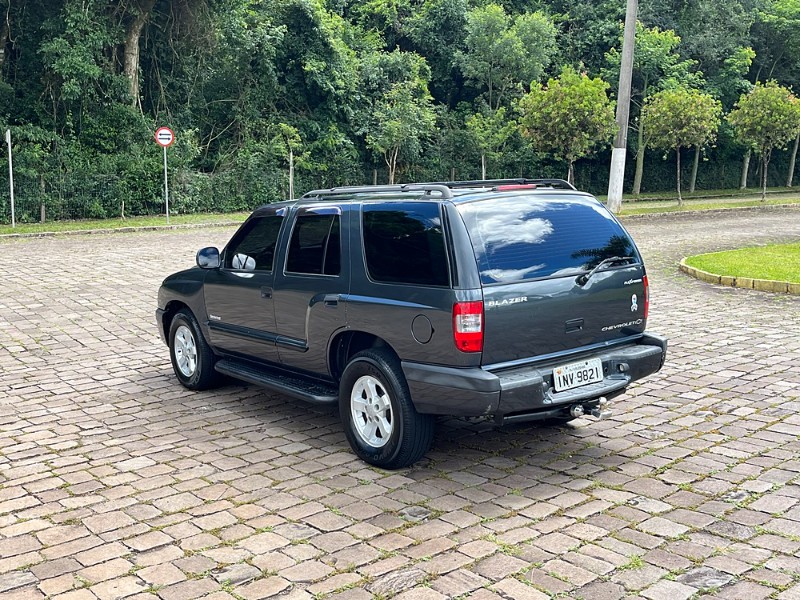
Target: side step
280 381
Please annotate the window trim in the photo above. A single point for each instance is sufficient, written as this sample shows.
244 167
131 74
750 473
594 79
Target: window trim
238 236
314 211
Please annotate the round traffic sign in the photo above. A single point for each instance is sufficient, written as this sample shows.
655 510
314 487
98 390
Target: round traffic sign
164 136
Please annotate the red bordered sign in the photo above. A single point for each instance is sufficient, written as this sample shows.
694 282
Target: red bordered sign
164 137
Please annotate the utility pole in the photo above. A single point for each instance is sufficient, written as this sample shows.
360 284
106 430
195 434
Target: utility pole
620 149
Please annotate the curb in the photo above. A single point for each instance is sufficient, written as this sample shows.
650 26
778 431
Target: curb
762 285
40 234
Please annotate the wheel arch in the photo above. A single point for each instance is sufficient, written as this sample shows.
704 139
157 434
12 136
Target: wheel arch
172 308
347 344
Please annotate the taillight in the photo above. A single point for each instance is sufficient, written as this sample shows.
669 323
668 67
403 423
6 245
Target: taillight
646 297
468 326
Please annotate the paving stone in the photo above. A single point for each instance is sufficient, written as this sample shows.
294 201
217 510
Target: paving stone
696 473
16 579
459 582
513 588
704 578
668 590
396 582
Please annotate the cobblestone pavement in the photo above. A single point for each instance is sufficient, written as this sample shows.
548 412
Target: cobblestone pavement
115 482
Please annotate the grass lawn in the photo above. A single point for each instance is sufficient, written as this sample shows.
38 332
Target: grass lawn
650 207
780 262
59 226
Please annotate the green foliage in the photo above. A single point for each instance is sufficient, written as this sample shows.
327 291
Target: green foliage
679 118
401 120
767 117
503 53
764 119
490 130
422 86
570 117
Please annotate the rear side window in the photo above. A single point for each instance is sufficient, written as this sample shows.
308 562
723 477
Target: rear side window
315 247
527 237
254 250
404 243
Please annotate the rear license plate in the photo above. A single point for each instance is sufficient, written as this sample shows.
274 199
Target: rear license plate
566 377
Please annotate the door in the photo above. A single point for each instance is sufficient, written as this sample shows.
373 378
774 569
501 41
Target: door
238 295
309 286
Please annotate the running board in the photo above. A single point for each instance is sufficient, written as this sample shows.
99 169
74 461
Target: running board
279 381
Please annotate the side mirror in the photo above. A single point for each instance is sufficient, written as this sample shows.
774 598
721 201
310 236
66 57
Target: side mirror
208 258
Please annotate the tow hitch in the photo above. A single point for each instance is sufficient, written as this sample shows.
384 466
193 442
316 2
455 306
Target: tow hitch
600 411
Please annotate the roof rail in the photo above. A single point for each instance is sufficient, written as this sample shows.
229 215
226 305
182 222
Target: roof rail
442 189
554 183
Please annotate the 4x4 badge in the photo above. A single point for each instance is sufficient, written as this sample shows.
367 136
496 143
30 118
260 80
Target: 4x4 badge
634 303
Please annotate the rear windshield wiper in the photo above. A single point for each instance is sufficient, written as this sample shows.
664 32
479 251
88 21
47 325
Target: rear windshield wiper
582 279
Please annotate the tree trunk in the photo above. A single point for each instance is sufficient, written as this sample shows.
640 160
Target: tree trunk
693 180
571 173
133 32
483 166
637 178
792 161
764 165
745 169
678 154
291 174
374 176
452 173
4 33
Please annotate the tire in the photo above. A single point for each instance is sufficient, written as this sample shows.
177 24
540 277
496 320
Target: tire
192 358
379 418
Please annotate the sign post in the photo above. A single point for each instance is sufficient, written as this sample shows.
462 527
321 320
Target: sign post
165 138
11 179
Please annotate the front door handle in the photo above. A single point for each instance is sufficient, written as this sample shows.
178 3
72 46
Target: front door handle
266 292
331 300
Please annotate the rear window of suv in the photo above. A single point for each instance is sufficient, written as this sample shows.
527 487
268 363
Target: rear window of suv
522 237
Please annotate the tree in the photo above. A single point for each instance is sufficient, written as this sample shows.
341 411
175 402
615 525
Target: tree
570 117
656 66
401 120
140 10
490 130
765 119
286 142
503 53
681 118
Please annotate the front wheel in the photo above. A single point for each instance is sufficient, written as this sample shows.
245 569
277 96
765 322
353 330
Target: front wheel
192 358
379 418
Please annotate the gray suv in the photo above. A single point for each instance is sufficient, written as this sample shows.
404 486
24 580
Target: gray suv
520 300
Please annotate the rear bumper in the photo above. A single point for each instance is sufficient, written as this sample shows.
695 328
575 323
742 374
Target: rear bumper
526 393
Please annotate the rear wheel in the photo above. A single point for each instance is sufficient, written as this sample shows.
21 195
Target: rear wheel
192 358
379 418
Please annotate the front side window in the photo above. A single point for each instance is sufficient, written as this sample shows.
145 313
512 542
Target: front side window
315 247
532 237
253 249
404 243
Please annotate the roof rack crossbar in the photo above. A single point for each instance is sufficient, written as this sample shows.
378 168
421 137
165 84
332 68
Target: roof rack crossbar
409 187
488 183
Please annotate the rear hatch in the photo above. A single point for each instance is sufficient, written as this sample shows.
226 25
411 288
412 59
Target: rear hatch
559 273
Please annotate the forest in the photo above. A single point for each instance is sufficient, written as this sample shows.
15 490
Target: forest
336 92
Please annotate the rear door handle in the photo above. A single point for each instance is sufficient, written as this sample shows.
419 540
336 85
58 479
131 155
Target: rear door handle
331 300
266 292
